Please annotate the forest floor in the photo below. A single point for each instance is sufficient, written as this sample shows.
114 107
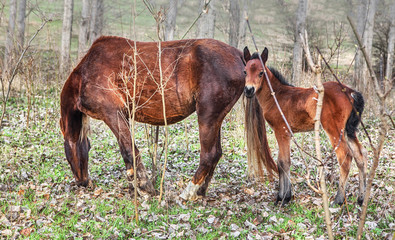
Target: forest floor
38 199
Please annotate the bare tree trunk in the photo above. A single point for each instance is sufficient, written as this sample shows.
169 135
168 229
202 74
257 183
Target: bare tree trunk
298 48
9 42
96 27
83 35
21 23
170 25
206 24
391 43
234 22
360 65
66 35
366 12
243 25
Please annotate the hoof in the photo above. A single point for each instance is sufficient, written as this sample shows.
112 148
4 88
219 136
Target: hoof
339 200
146 189
360 200
190 192
282 201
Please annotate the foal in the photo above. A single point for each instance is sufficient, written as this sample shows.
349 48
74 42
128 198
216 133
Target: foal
338 119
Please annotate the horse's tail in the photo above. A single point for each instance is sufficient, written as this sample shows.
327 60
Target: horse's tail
258 151
355 116
73 122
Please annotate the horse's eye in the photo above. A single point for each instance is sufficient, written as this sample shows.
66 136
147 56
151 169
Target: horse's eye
261 74
245 72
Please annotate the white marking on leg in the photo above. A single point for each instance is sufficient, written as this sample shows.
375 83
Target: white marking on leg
189 193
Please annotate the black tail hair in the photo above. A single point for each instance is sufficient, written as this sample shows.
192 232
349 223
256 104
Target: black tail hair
355 116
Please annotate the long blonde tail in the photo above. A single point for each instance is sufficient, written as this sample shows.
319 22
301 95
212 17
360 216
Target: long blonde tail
258 151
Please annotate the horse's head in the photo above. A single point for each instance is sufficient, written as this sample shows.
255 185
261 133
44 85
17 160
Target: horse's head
254 71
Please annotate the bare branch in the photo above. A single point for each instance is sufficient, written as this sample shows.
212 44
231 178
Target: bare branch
15 69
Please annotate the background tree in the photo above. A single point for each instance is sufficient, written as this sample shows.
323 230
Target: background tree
66 35
243 24
9 42
391 42
97 21
83 35
365 22
300 27
234 22
206 23
21 23
170 22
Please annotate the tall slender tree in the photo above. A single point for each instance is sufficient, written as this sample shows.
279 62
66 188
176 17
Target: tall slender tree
170 23
243 24
206 23
9 42
234 22
21 15
97 20
391 42
365 22
66 35
83 35
297 65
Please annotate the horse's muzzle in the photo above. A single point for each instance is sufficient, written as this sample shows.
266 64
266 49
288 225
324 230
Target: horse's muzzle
249 91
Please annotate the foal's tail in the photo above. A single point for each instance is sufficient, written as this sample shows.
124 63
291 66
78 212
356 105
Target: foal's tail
355 116
258 151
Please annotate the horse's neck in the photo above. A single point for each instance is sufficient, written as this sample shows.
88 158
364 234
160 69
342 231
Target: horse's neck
266 94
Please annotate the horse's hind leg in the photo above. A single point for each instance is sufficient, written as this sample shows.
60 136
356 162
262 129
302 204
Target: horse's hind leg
218 153
120 127
359 154
75 125
344 158
210 153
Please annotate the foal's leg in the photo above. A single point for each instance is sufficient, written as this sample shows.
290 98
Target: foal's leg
120 127
335 129
359 154
284 164
344 157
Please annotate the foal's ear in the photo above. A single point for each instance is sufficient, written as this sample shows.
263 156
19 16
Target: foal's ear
264 54
247 55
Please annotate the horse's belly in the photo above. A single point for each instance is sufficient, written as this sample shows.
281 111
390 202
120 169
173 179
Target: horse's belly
153 113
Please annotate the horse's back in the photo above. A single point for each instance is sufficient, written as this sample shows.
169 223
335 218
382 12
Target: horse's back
188 69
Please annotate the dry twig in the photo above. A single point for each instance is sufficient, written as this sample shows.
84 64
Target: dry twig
316 68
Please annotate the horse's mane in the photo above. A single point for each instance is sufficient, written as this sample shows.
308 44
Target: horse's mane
279 76
274 71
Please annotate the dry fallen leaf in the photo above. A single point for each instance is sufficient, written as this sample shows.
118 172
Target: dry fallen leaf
249 191
26 232
98 192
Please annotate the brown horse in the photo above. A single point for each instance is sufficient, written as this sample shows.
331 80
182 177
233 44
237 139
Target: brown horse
299 107
202 75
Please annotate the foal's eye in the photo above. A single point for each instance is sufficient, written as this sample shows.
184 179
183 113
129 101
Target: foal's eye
245 72
261 74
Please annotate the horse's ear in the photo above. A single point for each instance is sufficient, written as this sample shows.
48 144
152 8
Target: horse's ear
264 54
247 55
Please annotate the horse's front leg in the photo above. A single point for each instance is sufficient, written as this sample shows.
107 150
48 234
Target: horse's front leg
284 164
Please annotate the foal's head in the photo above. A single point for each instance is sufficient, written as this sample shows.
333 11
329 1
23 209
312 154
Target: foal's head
254 71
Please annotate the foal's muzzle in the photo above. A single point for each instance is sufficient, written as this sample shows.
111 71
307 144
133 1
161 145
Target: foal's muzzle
249 91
